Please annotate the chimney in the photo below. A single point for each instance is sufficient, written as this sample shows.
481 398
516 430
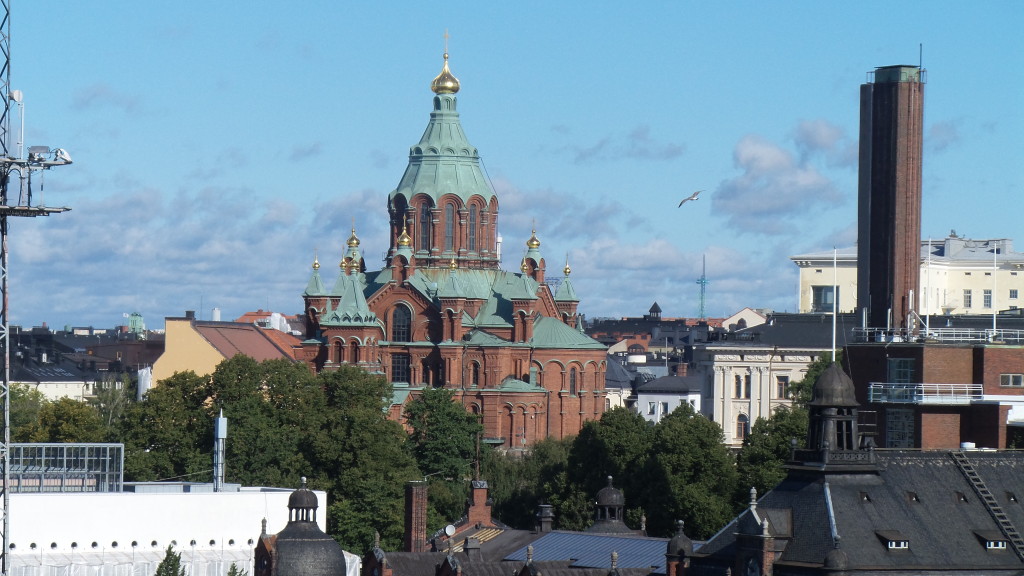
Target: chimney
472 548
545 518
190 314
415 517
479 506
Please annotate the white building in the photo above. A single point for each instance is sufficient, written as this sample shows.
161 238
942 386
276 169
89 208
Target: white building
659 397
127 533
958 276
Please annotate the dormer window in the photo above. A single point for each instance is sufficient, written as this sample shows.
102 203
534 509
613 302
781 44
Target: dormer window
961 497
912 497
994 540
893 539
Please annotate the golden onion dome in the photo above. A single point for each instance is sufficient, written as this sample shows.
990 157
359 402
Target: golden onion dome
445 82
453 264
533 242
353 240
316 264
404 239
525 266
567 270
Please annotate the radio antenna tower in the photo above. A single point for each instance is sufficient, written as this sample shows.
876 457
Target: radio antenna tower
703 282
39 158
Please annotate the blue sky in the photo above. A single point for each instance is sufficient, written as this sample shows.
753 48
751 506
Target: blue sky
216 145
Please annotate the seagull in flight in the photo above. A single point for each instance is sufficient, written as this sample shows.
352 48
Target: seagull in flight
690 197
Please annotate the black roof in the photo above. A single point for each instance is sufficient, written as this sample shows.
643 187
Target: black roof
923 498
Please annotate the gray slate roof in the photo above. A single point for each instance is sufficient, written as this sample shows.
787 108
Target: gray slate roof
914 494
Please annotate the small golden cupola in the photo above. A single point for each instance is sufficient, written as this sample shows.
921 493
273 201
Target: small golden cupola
567 269
353 240
445 82
404 239
533 242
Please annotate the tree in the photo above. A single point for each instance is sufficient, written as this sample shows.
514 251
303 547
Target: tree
169 434
67 420
690 475
283 423
112 396
444 434
26 403
617 445
767 447
520 483
171 564
234 570
802 391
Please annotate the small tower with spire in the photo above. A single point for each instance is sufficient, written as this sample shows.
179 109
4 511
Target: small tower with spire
565 297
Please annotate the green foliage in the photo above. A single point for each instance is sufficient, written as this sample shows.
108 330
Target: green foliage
170 433
112 396
283 423
26 403
617 445
67 420
690 475
802 390
767 448
520 483
444 434
444 440
171 564
234 570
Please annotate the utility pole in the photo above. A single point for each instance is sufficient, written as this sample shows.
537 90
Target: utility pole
39 158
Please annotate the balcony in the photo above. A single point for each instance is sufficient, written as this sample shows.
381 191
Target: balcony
932 394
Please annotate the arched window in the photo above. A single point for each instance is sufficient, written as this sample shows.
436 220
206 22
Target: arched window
338 347
354 352
742 427
472 227
572 381
475 375
401 320
424 227
449 227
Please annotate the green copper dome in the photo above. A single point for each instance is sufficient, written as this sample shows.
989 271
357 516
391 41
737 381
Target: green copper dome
444 162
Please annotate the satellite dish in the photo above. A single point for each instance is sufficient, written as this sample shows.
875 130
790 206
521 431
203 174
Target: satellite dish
449 530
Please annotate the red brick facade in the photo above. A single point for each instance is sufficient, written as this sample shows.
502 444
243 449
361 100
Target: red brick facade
442 312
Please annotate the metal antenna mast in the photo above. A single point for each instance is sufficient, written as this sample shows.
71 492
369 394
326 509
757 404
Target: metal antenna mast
703 282
39 158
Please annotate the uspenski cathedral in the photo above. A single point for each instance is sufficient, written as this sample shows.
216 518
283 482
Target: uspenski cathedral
442 312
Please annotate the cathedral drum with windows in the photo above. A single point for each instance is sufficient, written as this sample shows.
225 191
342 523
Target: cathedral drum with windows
442 312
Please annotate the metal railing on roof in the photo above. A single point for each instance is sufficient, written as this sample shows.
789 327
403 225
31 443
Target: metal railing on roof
945 394
941 335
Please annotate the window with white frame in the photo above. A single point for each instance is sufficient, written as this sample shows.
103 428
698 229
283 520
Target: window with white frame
664 407
968 298
652 408
986 299
1013 293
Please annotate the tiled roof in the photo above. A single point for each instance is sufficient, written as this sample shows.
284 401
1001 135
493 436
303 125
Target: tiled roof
231 338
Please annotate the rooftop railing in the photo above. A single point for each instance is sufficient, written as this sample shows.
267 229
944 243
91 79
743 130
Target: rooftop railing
947 394
941 335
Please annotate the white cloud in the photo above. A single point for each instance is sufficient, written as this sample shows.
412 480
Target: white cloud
774 190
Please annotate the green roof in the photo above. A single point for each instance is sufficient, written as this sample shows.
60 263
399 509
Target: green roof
444 162
315 287
552 333
565 292
514 385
